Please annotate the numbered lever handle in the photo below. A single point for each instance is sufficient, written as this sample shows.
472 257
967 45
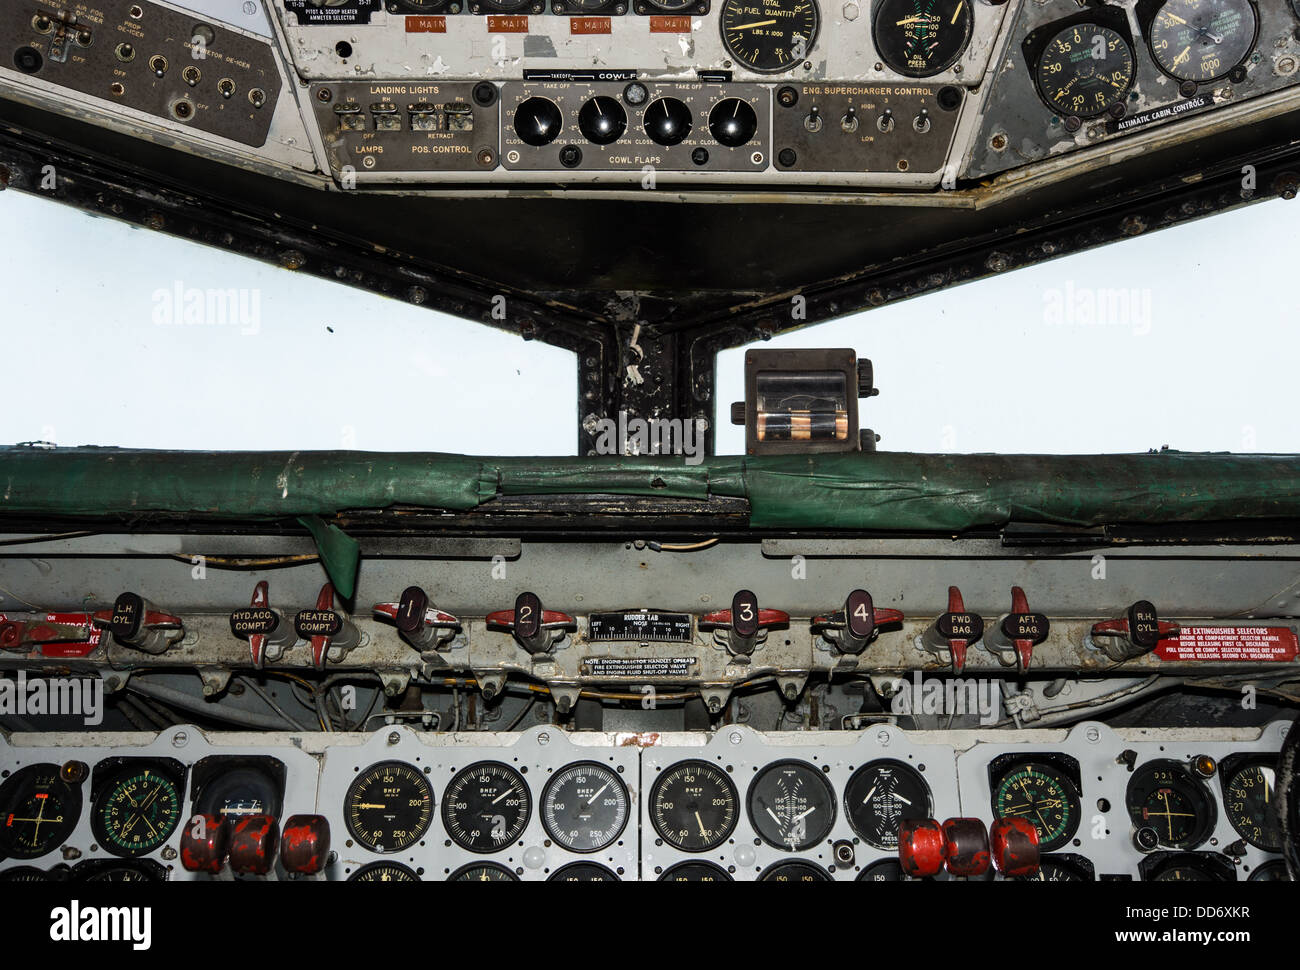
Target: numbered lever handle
263 626
135 622
22 634
1014 638
536 629
745 624
1138 632
851 629
954 632
418 622
328 630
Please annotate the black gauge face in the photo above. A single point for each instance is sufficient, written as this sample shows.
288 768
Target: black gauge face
693 806
239 792
885 870
384 872
29 874
482 872
695 872
794 870
1183 873
388 806
136 811
582 872
1057 870
124 873
1044 796
585 807
769 36
1163 796
674 6
1084 70
1248 802
1202 40
486 807
921 38
791 805
38 811
879 796
1274 871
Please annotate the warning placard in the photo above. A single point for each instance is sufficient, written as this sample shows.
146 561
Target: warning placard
1229 644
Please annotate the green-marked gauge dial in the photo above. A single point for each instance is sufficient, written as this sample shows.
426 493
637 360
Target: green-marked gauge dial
582 872
769 36
486 807
1084 70
794 870
791 805
38 811
879 796
1202 40
482 872
693 806
388 806
584 807
384 872
695 872
921 38
136 811
1163 796
1249 803
1045 797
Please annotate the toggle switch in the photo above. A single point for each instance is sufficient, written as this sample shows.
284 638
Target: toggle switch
536 629
921 847
253 841
814 120
305 844
204 843
966 847
1013 844
954 632
741 628
1013 640
330 631
886 120
135 622
264 627
1137 633
850 120
418 621
851 629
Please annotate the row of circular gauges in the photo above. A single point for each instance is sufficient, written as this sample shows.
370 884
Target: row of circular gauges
138 802
1085 66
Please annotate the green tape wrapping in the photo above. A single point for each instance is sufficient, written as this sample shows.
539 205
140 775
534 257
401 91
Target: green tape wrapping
340 554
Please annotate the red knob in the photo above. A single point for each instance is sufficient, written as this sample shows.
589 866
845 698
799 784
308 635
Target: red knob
1013 843
921 847
305 844
253 840
203 843
966 849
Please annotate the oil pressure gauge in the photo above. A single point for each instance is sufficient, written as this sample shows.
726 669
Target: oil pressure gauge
1203 40
921 38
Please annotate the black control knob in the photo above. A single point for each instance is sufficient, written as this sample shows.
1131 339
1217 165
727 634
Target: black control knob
667 121
732 122
602 120
538 121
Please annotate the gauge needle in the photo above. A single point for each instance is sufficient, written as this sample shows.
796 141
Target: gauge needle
869 794
901 798
595 796
1176 19
703 831
803 815
370 805
956 12
1185 55
501 796
775 818
756 23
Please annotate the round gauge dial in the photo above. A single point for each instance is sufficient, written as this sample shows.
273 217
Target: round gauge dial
695 872
582 872
143 871
136 811
879 796
384 872
31 874
38 811
791 805
794 870
1163 796
1274 871
239 792
1248 802
1202 40
482 872
388 806
1183 873
1056 870
585 807
693 806
921 38
769 36
486 807
1085 69
1044 796
885 870
675 6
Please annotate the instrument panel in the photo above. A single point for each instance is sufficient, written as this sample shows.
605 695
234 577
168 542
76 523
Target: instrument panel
551 805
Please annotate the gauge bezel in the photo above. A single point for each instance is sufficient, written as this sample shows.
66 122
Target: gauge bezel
111 773
794 64
1206 812
717 870
903 768
355 784
369 867
1149 35
70 796
1036 44
760 827
817 872
548 791
878 14
732 793
459 874
521 823
607 874
1068 784
1229 769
